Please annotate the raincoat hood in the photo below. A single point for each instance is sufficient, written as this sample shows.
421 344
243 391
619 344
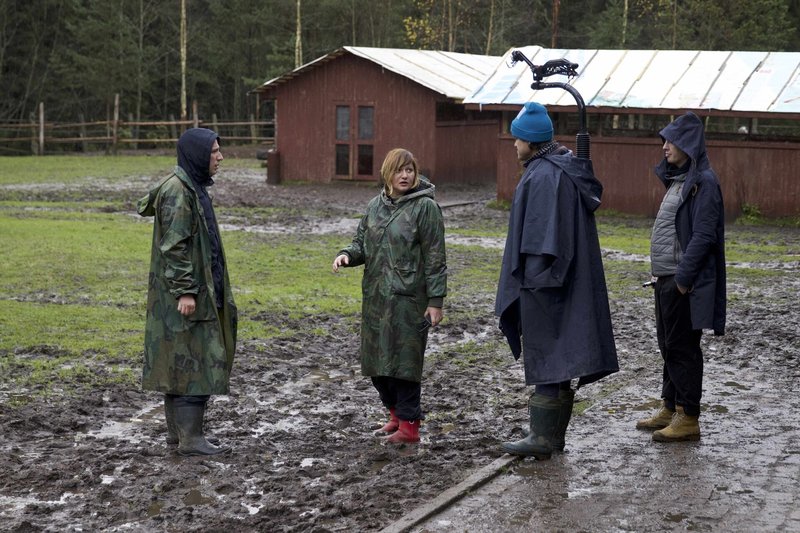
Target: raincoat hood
581 173
194 154
686 132
425 188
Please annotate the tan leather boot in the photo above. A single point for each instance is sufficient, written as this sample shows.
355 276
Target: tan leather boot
658 421
682 427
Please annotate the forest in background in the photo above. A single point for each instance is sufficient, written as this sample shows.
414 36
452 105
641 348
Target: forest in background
76 55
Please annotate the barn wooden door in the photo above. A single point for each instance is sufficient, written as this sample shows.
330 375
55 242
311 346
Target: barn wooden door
355 134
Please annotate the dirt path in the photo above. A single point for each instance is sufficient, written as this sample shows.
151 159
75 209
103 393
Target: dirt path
300 419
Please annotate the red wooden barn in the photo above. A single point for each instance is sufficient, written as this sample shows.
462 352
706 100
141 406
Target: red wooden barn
337 116
750 102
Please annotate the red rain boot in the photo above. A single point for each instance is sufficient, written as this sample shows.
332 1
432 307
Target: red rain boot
393 423
408 432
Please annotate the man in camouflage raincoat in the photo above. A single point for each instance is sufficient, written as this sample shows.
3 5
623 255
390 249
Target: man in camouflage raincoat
190 333
400 242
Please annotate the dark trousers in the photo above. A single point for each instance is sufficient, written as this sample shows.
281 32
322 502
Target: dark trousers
552 390
680 348
401 394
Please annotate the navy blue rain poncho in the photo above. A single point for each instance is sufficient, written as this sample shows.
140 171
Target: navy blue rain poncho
556 313
194 156
700 225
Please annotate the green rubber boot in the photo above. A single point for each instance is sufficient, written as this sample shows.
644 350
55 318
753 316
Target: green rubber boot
544 413
172 429
189 423
567 399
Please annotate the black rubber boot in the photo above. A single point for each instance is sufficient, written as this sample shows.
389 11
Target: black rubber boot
189 413
172 430
567 399
544 413
169 414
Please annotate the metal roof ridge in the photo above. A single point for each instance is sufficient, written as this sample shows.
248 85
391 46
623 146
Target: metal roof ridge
713 83
639 76
402 55
784 86
676 81
610 74
747 79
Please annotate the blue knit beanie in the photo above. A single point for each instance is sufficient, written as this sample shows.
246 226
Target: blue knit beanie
532 124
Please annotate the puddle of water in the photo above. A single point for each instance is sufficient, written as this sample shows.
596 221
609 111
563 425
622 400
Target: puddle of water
735 385
323 376
252 509
679 517
447 428
195 497
342 226
17 503
126 429
378 465
484 242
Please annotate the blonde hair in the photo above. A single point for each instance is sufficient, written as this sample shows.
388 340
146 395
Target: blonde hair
395 160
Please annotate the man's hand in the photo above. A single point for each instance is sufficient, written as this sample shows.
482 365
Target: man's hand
341 260
186 304
434 315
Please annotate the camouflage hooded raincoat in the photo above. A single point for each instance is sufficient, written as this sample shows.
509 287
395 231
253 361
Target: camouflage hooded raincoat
401 245
190 355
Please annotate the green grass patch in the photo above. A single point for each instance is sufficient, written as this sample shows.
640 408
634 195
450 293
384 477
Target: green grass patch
742 244
72 329
72 297
78 168
15 170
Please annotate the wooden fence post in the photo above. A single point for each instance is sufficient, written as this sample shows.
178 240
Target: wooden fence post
34 144
82 133
134 132
194 114
214 125
41 128
115 125
173 132
253 129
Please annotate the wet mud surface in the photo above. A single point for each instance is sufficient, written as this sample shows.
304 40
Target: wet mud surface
300 418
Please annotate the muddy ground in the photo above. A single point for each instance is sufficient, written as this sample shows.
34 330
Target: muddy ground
300 417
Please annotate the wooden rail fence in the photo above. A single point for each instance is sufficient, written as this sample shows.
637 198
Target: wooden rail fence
37 134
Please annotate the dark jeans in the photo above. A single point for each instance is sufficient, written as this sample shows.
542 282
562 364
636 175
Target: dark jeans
552 389
401 394
680 348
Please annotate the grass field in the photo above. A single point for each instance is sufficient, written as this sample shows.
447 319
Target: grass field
75 271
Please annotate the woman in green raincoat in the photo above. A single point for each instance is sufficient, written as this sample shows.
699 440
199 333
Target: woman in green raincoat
400 242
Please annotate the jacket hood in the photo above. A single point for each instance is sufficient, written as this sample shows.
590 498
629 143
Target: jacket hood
581 173
425 188
687 133
194 154
146 206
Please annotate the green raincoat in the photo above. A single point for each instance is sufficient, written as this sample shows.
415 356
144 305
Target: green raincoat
401 245
184 355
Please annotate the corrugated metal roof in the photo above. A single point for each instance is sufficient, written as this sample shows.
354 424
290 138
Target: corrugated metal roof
452 74
663 79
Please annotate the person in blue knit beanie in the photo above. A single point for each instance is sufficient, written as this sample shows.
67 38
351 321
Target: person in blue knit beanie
533 124
551 298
